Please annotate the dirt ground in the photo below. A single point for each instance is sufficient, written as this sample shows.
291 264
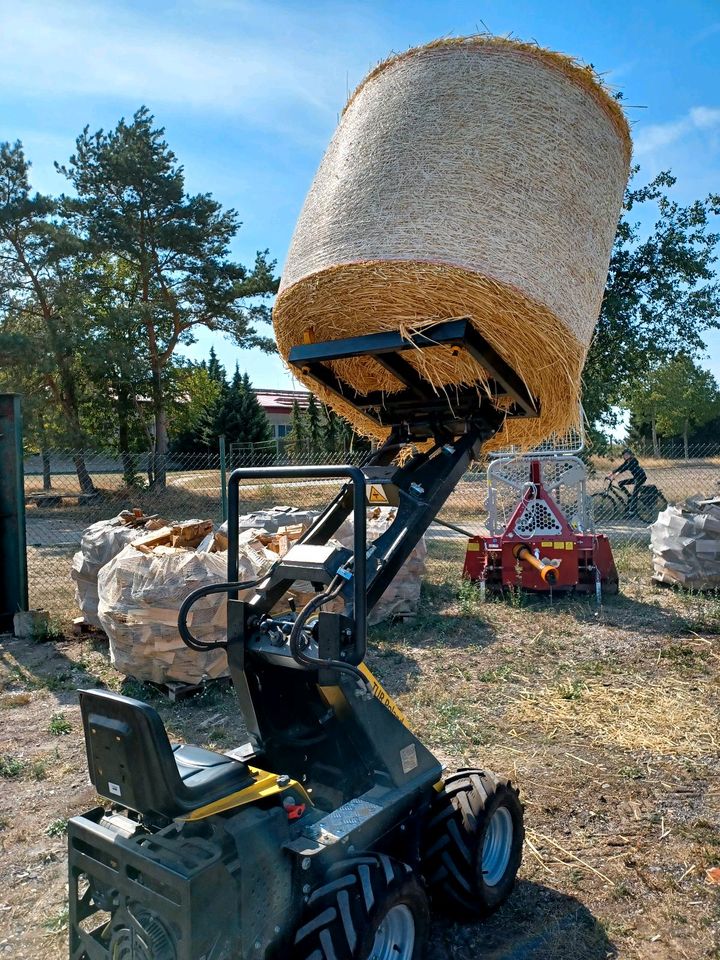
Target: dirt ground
607 719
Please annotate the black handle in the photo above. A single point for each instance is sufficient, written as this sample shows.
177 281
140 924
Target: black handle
320 472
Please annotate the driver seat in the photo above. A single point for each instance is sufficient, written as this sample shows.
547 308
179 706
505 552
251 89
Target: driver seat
133 764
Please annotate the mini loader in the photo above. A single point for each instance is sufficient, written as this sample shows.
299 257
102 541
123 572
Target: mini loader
329 834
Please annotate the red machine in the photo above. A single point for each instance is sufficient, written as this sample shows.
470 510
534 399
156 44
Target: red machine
539 550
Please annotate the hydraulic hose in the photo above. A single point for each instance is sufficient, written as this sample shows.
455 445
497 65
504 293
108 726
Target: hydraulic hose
192 598
315 663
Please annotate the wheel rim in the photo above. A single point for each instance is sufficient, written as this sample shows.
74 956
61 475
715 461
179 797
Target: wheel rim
395 937
497 846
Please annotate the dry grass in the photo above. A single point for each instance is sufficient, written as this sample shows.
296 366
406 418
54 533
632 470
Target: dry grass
664 719
607 719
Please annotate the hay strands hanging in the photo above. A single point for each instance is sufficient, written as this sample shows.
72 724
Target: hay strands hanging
417 404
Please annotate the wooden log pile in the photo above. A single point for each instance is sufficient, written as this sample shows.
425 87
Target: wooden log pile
101 542
685 543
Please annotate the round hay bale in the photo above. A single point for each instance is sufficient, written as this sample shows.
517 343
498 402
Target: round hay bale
479 177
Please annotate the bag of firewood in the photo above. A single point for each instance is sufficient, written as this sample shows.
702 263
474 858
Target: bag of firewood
101 542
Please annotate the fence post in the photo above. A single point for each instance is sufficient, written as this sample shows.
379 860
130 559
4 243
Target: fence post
13 550
223 478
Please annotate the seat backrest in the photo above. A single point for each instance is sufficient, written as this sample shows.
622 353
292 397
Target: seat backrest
129 755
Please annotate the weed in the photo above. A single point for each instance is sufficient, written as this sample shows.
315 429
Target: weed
10 700
631 773
470 596
572 689
57 828
10 767
4 823
499 674
59 725
516 596
58 922
38 769
265 491
138 690
679 653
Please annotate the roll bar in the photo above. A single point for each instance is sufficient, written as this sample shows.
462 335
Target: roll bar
320 472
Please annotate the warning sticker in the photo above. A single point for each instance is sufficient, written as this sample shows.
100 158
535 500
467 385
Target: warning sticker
114 788
376 494
408 758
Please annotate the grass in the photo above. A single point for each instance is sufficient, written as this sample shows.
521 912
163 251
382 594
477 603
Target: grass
59 725
11 767
57 828
606 718
58 921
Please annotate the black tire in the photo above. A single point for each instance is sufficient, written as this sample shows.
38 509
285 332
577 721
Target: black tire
604 508
342 917
454 842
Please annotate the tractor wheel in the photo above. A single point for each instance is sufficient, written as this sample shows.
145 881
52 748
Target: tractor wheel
369 908
473 843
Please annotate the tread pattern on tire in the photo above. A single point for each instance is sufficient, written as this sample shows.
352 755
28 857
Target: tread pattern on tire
343 905
449 856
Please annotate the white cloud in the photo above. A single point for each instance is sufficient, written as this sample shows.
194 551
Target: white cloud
268 63
655 137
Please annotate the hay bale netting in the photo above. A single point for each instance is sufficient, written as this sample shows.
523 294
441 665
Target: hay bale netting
479 177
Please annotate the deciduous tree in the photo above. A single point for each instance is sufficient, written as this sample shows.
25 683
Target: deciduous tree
661 296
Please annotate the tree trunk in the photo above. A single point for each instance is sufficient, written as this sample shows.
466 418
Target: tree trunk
161 437
47 479
123 411
70 408
686 430
655 444
84 478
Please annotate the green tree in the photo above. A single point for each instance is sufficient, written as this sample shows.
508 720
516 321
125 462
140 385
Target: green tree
331 439
313 429
660 298
131 203
196 401
241 419
688 398
42 324
296 439
216 371
644 400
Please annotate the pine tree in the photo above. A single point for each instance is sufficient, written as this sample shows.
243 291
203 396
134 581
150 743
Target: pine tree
216 371
130 202
295 441
240 417
230 418
314 429
257 427
331 433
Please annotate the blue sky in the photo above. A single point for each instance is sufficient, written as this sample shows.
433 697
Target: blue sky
250 92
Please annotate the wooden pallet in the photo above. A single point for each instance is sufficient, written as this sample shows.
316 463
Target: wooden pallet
175 691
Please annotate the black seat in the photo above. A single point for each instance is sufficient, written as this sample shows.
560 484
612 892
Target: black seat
132 762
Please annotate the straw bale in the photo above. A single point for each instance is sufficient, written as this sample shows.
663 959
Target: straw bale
476 177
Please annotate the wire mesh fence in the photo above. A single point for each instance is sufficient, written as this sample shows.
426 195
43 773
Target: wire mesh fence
60 505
